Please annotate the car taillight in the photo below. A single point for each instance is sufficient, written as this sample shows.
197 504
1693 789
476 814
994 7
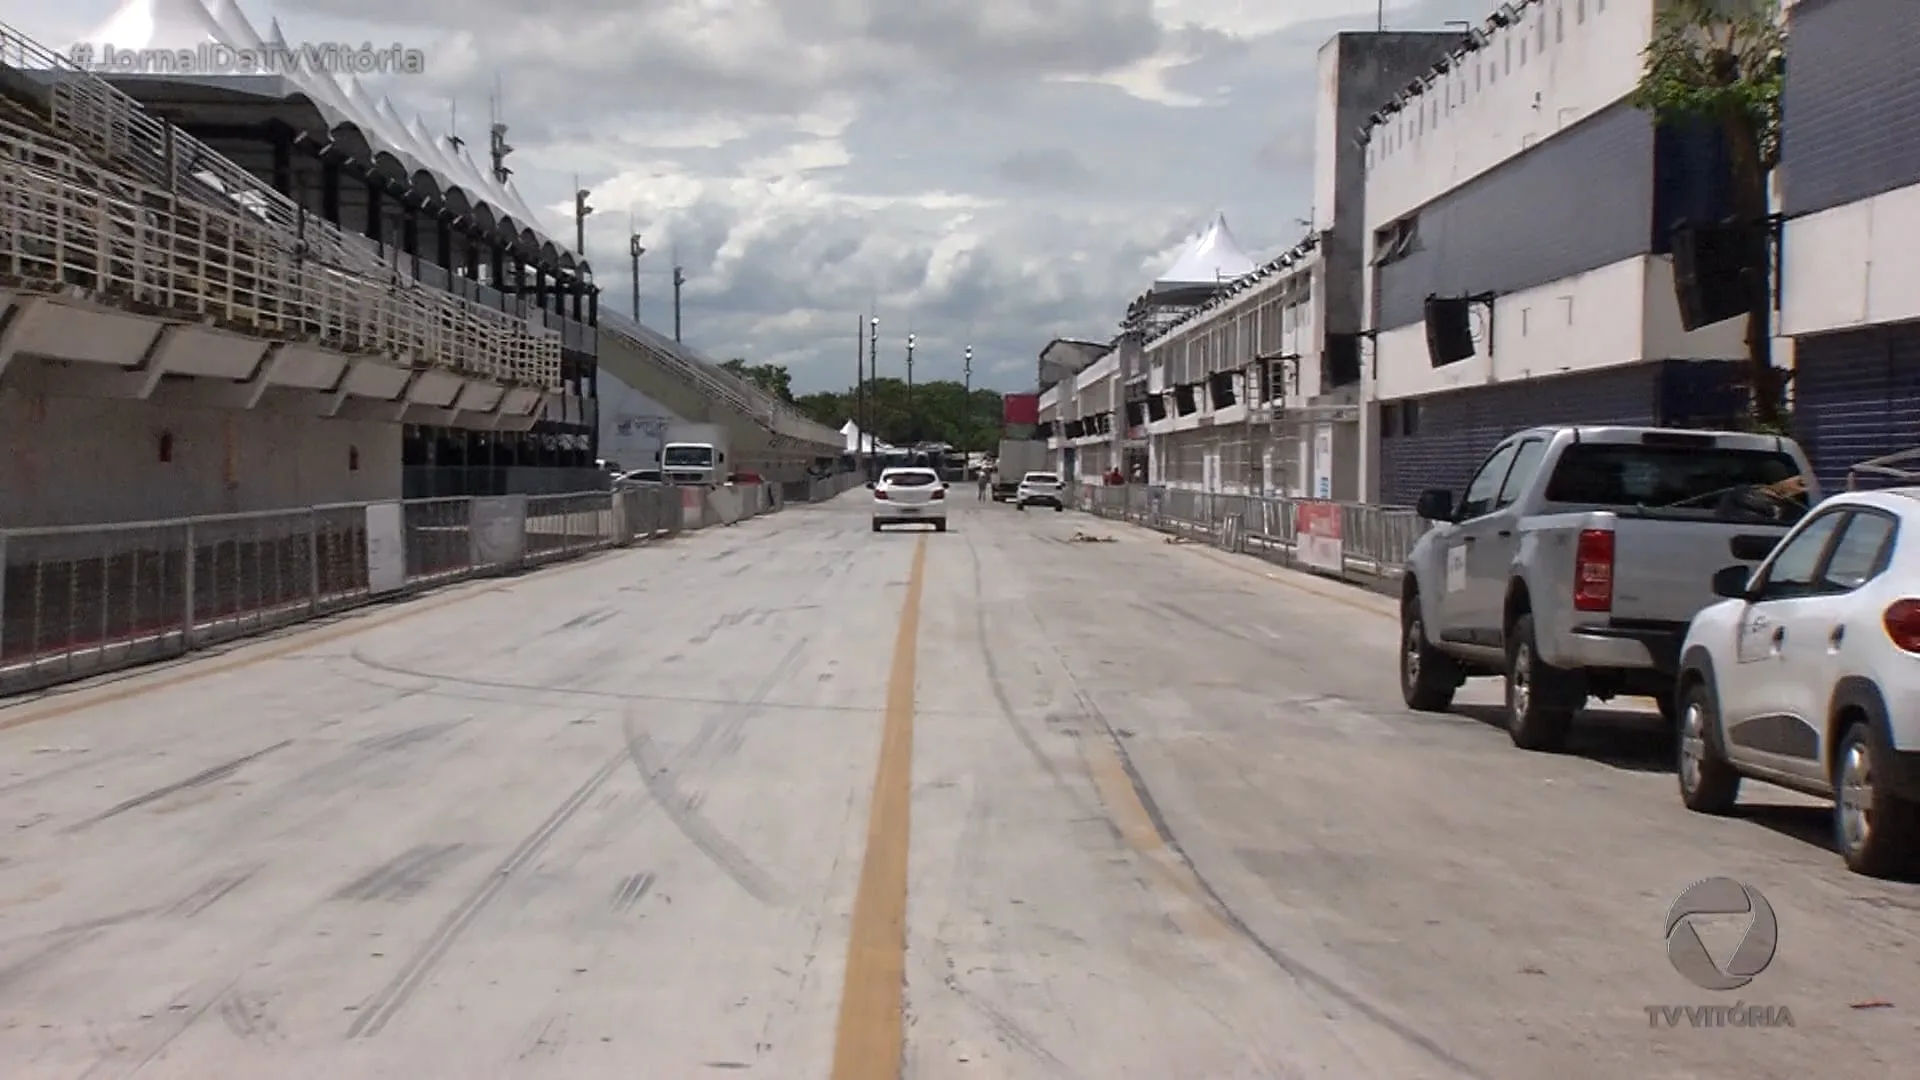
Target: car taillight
1593 571
939 493
879 494
1902 620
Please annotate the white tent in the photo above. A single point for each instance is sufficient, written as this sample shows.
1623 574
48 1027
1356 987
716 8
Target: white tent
1212 258
851 432
184 24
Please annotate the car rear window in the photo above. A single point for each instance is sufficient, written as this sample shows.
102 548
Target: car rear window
1042 478
1718 482
911 479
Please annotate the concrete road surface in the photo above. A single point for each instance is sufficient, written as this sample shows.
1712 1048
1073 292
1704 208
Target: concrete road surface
1139 810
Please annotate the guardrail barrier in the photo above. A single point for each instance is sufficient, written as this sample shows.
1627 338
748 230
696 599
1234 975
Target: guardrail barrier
1355 541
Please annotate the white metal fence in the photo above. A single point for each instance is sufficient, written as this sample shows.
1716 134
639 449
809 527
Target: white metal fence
1358 541
80 600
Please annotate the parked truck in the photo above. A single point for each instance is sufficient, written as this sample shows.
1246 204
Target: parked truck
695 454
1576 557
1020 451
1018 457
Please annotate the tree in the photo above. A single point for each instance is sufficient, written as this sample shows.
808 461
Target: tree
943 411
773 378
1722 63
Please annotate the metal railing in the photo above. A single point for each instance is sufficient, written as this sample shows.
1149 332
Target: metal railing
1373 541
139 211
80 600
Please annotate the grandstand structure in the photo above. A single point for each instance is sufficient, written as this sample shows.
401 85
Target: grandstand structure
225 293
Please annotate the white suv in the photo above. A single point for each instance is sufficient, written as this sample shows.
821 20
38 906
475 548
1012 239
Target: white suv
1040 489
1808 673
901 496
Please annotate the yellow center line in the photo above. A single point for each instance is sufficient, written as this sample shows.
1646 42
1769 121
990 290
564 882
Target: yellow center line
870 1039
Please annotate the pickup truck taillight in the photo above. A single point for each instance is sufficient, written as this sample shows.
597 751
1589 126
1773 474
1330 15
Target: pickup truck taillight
1902 620
1593 571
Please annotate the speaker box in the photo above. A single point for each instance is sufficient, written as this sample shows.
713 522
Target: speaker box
1220 389
1449 330
1709 271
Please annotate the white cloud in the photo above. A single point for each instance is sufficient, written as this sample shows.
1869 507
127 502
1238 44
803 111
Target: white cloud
996 172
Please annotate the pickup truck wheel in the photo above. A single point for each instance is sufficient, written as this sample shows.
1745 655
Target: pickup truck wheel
1538 711
1428 677
1709 784
1877 831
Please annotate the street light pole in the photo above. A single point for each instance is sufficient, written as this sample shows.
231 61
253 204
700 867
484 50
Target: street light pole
859 390
634 250
873 372
966 401
913 421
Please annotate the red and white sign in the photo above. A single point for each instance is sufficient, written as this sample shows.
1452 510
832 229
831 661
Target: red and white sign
1317 541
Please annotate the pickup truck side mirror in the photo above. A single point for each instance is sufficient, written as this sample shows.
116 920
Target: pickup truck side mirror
1731 582
1752 548
869 485
1435 504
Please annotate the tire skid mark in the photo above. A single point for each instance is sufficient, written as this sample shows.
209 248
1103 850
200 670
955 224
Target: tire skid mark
212 892
1287 964
632 889
997 683
380 1010
200 779
404 876
725 735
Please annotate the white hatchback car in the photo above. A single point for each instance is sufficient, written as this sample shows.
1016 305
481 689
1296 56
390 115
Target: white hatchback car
1807 676
903 496
1041 489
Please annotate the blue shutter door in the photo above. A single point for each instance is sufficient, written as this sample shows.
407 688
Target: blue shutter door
1856 397
1457 430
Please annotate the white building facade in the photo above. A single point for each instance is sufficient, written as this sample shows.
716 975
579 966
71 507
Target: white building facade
1258 389
1850 267
1516 175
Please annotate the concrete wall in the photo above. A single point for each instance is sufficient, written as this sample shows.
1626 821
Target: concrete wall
1358 72
92 460
1563 61
1623 313
632 425
1850 168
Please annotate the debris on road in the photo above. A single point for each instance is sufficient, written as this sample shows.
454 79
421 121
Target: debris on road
1084 537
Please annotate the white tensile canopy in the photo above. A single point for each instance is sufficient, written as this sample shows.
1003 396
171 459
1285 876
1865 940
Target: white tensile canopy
1211 259
186 24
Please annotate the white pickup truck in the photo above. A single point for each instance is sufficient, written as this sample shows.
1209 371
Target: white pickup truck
1576 558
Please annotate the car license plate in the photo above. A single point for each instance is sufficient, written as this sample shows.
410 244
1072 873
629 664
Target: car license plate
909 509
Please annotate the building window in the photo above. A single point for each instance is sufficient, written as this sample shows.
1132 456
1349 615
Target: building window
1559 24
1580 11
1540 32
1507 44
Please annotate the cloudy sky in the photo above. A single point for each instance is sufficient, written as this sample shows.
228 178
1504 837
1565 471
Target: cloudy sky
993 172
